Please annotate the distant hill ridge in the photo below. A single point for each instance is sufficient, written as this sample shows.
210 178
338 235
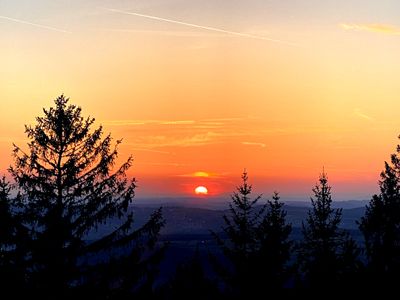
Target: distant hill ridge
221 203
183 219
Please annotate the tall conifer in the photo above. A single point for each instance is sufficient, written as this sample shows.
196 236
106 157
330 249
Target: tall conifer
70 185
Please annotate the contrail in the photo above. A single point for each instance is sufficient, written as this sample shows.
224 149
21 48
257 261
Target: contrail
202 27
34 24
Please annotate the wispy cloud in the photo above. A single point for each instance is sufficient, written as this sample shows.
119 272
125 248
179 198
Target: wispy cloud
180 122
200 139
207 126
124 122
362 115
152 134
201 122
373 27
203 175
34 24
196 174
176 139
151 150
262 145
224 119
171 136
147 122
209 28
162 164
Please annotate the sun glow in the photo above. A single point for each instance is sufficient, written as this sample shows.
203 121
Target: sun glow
201 190
201 174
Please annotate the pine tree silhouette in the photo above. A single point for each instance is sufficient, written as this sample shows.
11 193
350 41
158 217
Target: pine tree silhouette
69 187
276 246
381 226
255 241
327 255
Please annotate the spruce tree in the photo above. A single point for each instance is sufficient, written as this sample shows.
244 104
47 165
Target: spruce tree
275 245
70 186
381 226
253 234
327 254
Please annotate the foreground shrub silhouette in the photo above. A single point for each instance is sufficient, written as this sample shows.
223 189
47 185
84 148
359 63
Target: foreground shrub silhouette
69 187
327 254
255 242
381 227
191 282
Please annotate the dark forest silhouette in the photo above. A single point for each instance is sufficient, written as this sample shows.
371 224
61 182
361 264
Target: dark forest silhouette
66 185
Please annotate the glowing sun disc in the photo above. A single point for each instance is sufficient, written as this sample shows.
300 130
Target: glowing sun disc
201 190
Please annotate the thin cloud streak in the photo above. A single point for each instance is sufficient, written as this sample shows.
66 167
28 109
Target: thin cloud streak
202 174
162 164
200 122
148 122
224 119
151 150
182 122
362 115
34 24
262 145
375 27
125 123
202 27
165 32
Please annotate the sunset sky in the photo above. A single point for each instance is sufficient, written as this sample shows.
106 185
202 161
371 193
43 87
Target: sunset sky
201 89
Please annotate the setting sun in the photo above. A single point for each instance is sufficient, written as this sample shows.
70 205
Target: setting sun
201 190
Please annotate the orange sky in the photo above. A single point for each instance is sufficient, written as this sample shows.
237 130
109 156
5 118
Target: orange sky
281 90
